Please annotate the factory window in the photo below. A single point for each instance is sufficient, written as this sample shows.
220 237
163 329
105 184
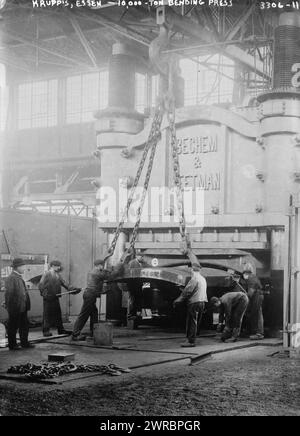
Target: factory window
86 93
154 89
3 97
140 92
37 104
208 80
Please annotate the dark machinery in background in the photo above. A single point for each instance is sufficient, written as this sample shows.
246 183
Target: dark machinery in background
159 287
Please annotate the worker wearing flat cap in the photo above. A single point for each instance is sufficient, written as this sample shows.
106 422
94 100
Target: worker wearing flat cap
50 288
195 296
17 303
94 289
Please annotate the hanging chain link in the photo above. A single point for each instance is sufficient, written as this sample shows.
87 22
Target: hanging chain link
170 109
165 104
154 137
143 197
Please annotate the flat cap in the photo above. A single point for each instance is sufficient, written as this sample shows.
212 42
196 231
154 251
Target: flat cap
18 261
55 263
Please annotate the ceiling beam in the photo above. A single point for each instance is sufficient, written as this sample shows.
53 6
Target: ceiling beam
114 27
84 41
207 15
210 67
191 49
189 27
54 52
240 22
13 61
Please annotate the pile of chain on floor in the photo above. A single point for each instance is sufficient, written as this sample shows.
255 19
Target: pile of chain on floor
51 370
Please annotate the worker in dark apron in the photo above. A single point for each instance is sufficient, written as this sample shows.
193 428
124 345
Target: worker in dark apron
50 289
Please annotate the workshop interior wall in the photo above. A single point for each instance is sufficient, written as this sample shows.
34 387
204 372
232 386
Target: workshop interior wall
76 241
75 140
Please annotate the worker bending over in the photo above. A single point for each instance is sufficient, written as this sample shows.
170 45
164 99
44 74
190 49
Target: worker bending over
232 307
195 296
50 288
94 289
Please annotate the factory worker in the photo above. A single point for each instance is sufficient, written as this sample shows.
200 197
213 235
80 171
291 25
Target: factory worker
195 296
94 289
50 288
231 307
17 304
254 314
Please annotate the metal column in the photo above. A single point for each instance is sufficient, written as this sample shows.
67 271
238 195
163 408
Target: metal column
293 315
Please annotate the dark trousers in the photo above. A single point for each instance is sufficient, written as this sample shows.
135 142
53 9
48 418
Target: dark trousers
17 322
193 317
52 315
88 310
255 314
234 322
134 301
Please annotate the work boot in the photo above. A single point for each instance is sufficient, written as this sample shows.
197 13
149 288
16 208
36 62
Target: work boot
47 334
15 348
28 345
257 337
233 339
63 332
188 345
78 338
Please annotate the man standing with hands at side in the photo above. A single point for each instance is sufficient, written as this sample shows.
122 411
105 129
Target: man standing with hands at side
17 303
195 296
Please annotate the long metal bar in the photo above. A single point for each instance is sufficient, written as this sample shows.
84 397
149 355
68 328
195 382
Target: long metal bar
115 27
209 67
13 64
206 12
218 44
188 27
84 41
12 60
240 22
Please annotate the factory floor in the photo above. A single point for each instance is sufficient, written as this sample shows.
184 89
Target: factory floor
213 378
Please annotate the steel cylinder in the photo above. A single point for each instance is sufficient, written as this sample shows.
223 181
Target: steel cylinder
286 49
121 78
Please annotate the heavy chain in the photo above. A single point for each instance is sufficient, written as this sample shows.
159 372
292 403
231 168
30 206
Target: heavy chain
154 137
51 370
167 104
170 109
144 193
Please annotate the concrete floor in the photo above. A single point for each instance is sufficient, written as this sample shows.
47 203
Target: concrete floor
237 379
132 349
